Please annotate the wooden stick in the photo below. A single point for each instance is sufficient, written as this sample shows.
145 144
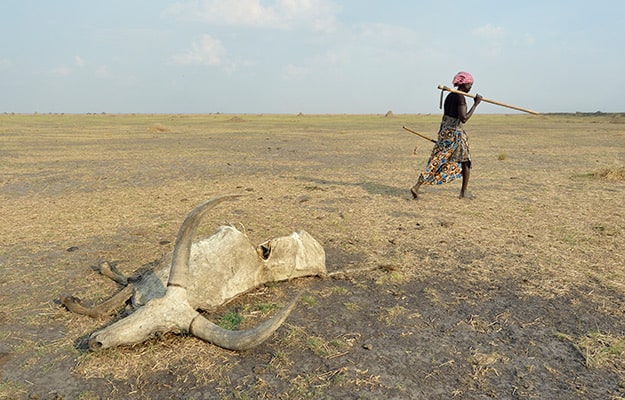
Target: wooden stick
443 87
418 134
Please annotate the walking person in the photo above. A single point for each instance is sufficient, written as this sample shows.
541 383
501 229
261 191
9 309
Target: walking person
450 158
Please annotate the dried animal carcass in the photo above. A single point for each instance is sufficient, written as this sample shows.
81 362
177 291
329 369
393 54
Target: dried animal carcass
202 275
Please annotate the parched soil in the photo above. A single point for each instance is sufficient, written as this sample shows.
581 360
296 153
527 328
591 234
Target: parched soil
517 294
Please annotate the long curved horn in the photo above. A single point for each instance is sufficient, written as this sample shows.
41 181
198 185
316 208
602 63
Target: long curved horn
239 340
178 276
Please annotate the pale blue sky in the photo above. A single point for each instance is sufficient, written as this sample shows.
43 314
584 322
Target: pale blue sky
310 56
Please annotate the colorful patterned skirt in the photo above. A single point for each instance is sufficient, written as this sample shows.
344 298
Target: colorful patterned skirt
451 149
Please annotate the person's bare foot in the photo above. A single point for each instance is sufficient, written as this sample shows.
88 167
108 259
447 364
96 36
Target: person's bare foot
466 196
415 191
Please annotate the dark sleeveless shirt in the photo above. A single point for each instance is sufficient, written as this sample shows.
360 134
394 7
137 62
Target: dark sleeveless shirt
452 102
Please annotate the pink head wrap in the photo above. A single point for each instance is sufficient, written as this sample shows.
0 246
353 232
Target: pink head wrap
462 78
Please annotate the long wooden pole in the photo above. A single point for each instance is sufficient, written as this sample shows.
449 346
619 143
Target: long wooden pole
443 87
419 134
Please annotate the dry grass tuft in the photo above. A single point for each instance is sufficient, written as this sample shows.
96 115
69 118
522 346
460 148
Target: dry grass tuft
613 174
160 355
485 364
159 128
600 350
390 315
603 350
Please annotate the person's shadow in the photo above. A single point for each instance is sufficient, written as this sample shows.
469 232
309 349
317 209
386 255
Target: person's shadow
369 187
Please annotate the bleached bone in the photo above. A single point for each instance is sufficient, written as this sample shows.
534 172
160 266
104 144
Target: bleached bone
203 275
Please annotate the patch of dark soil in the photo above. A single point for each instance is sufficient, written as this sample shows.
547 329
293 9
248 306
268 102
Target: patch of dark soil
336 259
501 345
4 357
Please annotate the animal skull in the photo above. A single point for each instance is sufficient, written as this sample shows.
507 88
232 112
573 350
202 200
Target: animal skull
202 275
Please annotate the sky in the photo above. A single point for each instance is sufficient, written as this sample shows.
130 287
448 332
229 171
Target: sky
308 56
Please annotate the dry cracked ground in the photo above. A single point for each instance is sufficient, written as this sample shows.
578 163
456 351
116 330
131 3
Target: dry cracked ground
517 294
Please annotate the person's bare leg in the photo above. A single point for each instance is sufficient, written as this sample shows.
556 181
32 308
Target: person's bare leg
415 189
466 173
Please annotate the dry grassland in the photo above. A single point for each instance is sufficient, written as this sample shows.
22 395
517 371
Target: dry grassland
519 293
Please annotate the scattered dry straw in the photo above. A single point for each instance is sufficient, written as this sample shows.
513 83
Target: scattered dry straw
159 128
614 174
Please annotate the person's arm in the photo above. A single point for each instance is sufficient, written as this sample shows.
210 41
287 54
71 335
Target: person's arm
462 109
